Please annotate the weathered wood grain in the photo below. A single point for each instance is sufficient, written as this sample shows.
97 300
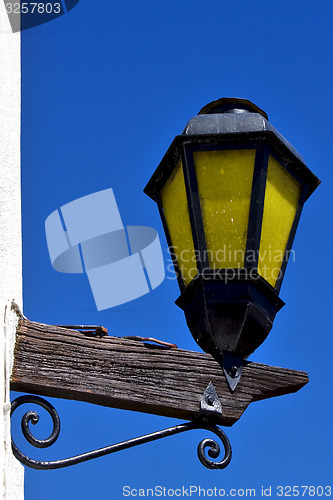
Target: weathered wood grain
133 375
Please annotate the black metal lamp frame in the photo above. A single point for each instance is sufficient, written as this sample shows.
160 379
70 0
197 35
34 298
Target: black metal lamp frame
265 144
240 298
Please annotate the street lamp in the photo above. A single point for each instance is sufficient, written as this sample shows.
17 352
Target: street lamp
230 191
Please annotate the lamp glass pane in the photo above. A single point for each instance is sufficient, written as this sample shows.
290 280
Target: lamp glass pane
175 208
225 183
282 196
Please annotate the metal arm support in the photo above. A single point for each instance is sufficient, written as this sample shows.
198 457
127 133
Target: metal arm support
209 403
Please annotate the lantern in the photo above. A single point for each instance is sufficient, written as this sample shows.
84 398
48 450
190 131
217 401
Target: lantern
230 191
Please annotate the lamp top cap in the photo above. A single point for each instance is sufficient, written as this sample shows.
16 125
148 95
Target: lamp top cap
231 105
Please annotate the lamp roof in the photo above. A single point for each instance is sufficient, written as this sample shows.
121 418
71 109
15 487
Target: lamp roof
231 118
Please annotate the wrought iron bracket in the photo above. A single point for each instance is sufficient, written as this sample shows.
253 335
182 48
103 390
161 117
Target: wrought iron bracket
209 407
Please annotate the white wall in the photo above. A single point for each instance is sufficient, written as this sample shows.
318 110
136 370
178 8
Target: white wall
11 483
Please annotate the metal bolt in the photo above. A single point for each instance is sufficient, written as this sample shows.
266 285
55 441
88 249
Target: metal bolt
233 371
210 400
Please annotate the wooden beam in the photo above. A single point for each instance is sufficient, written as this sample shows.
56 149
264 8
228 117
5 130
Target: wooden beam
133 375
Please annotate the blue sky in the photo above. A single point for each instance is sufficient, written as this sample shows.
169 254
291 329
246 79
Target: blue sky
105 88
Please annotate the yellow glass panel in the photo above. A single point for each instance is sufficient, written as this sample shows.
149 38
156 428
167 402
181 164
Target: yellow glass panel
225 184
281 200
175 208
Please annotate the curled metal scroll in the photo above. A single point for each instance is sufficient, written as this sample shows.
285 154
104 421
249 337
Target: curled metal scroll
33 417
